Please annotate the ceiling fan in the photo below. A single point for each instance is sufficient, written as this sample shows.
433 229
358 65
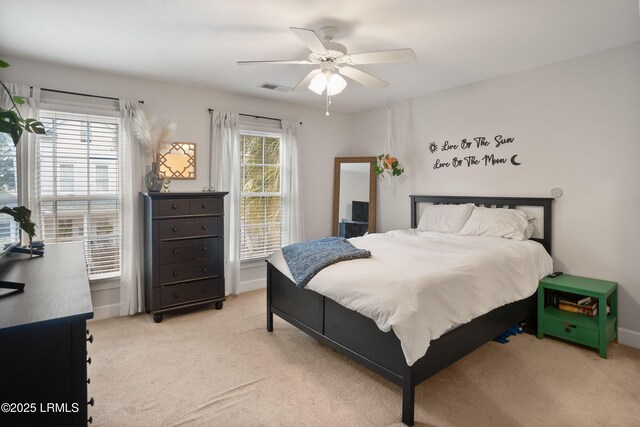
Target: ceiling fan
333 62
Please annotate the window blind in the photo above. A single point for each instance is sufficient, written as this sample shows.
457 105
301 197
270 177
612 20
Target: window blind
9 229
79 186
261 197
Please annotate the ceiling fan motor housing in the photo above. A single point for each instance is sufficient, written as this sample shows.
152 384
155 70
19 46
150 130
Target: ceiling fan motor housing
327 33
335 51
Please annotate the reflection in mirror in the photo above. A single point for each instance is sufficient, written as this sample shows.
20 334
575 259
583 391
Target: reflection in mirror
178 161
354 197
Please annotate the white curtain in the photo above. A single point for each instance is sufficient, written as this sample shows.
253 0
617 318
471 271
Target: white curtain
291 210
224 175
131 182
28 154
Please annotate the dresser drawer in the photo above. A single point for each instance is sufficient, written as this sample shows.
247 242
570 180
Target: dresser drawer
171 273
175 251
183 293
575 333
170 207
188 227
206 206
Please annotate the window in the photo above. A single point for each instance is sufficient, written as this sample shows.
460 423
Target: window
102 178
9 229
79 182
260 199
66 178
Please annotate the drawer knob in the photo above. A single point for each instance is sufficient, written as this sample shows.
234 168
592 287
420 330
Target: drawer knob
90 339
204 249
89 361
204 269
567 330
90 420
175 274
88 380
88 332
204 227
91 401
204 206
176 295
175 251
174 206
174 229
205 290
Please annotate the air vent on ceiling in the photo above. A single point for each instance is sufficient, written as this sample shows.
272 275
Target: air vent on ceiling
274 86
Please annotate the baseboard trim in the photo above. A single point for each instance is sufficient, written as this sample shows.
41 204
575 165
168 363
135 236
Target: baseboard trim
106 311
252 285
629 337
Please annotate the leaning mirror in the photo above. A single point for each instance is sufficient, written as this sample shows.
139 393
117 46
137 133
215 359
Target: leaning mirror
178 161
354 196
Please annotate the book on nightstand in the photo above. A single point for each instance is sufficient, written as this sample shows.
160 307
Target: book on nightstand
591 312
565 297
590 305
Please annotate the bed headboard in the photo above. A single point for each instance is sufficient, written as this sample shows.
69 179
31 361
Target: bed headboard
492 202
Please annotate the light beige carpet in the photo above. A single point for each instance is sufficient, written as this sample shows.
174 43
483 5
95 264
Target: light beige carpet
210 368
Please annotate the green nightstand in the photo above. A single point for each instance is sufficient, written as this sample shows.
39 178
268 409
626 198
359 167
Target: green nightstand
596 331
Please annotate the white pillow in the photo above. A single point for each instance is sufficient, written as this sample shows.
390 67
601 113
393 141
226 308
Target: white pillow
531 227
444 218
498 222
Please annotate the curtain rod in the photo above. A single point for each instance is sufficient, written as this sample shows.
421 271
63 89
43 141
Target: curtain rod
140 101
252 115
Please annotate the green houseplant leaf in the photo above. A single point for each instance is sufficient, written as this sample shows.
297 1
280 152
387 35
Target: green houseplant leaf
387 163
13 122
22 216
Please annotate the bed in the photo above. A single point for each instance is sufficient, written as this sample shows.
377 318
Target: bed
358 336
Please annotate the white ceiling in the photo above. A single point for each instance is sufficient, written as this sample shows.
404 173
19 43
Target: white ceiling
199 41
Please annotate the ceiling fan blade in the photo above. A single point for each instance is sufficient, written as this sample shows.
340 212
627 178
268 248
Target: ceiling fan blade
362 77
310 39
304 84
381 57
277 61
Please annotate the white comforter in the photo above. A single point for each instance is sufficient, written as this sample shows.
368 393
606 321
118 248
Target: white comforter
421 284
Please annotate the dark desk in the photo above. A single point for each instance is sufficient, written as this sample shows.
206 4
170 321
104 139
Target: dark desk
43 338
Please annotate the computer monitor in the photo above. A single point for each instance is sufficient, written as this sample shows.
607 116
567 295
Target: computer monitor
359 211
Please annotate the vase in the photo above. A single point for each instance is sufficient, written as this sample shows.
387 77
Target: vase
153 180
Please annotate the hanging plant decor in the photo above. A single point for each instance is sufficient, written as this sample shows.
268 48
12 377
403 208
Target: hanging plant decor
387 162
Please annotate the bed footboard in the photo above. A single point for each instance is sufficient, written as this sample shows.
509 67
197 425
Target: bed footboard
359 338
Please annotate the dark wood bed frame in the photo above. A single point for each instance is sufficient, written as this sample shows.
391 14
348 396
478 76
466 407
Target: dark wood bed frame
358 337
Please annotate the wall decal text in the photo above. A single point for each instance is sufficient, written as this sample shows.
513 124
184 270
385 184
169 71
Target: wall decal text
470 160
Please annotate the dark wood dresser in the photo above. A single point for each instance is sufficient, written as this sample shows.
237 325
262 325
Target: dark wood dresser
183 250
43 339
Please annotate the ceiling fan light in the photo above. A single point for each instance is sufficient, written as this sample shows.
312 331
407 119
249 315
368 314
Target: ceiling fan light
318 84
336 84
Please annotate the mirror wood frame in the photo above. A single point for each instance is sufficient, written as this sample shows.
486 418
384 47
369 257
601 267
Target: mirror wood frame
372 190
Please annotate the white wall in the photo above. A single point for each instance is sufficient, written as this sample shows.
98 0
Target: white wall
321 138
576 126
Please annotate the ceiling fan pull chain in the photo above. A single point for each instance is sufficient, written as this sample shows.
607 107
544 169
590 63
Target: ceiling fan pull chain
328 103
